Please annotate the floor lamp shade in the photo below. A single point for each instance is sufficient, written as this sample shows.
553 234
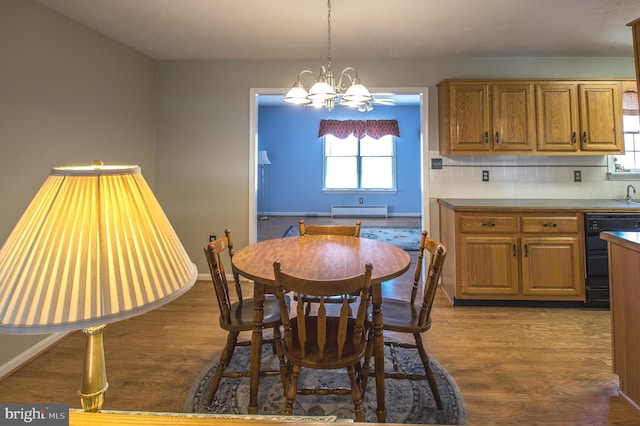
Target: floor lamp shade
263 158
93 247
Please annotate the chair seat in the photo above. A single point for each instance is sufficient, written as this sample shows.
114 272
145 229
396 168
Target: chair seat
242 314
351 353
402 316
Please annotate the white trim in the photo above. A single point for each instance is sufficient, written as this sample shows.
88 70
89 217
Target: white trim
623 176
253 148
18 361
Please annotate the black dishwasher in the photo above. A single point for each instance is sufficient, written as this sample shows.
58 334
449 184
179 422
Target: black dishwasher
597 263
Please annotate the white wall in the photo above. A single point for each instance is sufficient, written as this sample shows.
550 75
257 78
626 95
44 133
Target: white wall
67 96
203 135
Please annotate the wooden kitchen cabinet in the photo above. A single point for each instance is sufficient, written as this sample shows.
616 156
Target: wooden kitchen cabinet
579 118
530 117
551 267
515 255
635 31
469 108
601 118
489 266
557 117
487 117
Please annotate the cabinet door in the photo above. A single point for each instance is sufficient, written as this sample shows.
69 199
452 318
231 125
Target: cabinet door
557 117
513 117
551 266
600 111
470 120
488 266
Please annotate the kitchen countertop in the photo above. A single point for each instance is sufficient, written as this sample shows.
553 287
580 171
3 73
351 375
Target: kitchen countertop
580 205
630 240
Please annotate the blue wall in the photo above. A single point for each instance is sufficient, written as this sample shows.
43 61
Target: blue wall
293 182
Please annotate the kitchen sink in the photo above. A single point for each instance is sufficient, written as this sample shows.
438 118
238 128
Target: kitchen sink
630 202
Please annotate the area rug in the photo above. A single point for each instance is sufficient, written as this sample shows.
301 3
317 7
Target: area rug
406 401
405 238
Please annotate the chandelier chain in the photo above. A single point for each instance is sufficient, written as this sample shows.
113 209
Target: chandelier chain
329 33
328 90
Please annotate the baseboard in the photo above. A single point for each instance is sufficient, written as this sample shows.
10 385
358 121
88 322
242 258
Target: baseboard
15 363
328 214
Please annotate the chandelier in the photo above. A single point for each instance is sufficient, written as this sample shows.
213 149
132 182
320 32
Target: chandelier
326 92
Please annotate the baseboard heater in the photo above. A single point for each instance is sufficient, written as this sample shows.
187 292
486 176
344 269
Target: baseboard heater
358 211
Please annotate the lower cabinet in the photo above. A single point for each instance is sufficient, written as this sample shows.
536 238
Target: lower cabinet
513 256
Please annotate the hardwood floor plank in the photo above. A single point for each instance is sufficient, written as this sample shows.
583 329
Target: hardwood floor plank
526 366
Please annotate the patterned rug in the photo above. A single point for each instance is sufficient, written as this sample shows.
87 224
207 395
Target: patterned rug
405 238
406 401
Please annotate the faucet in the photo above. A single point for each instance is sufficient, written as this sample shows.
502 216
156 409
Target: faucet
629 187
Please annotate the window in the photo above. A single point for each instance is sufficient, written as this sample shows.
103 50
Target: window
630 161
359 164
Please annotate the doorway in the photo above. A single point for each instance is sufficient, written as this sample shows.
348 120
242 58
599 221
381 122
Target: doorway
254 103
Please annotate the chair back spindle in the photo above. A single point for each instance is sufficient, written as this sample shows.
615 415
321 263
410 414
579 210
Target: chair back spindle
325 340
323 337
409 317
236 317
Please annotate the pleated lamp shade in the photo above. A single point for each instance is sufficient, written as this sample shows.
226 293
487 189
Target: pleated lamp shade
93 247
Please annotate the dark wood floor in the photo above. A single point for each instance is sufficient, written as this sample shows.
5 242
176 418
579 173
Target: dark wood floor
548 366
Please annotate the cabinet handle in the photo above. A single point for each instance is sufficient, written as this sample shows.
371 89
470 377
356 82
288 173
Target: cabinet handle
526 250
489 224
574 138
584 137
550 225
486 137
514 251
497 137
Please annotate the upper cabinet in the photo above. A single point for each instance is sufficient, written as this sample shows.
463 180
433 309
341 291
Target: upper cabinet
635 30
483 117
530 117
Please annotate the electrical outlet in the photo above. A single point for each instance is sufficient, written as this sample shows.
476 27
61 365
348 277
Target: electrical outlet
485 175
436 163
361 200
577 176
212 238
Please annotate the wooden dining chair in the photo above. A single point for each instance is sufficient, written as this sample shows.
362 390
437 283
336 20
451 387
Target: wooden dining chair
402 316
237 316
324 341
346 230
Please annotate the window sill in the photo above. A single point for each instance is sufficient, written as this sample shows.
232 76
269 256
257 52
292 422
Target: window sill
623 175
361 191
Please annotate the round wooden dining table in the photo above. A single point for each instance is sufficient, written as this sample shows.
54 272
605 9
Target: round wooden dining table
321 257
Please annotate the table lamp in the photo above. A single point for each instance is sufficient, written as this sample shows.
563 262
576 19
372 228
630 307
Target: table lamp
263 159
93 247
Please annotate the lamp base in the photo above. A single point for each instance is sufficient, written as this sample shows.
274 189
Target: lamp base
94 377
263 217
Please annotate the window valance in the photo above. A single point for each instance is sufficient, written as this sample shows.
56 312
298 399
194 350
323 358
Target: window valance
359 128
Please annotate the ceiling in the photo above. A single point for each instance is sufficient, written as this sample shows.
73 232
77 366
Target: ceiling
361 29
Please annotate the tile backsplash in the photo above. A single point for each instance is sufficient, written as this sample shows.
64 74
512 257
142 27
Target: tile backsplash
523 177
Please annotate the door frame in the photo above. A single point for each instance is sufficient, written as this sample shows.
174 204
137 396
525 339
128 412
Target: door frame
254 94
